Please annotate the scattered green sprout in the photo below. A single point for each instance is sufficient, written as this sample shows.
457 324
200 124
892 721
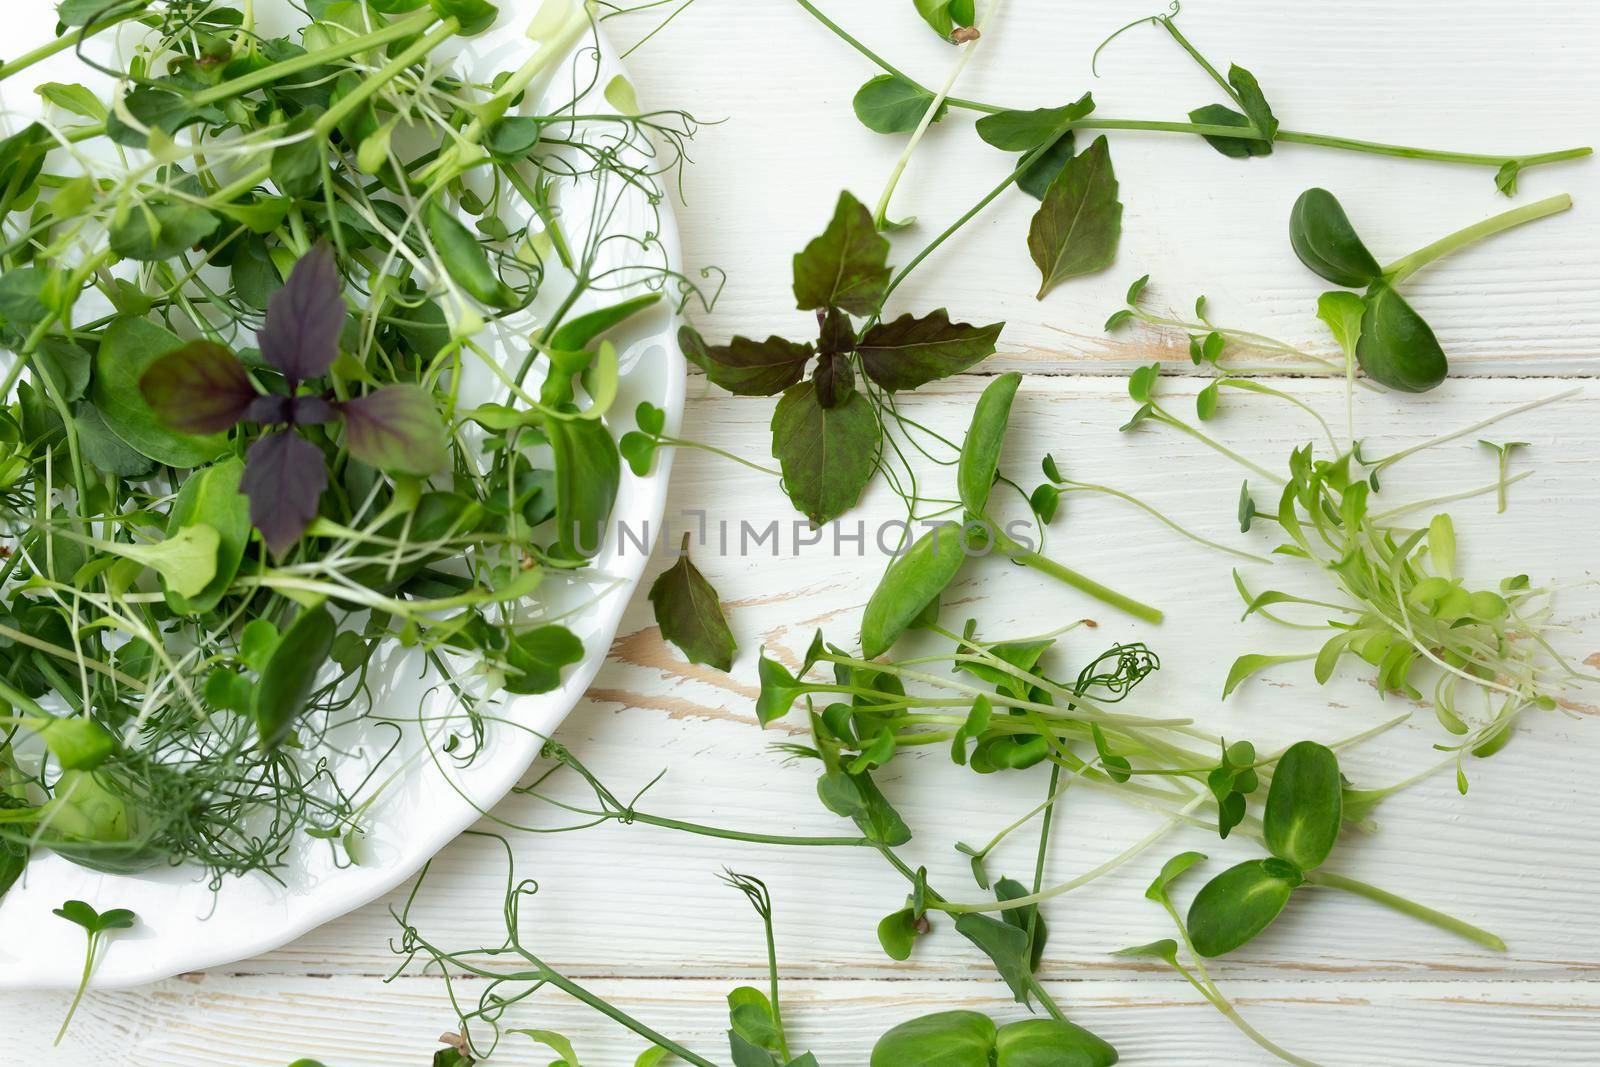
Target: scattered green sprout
894 102
1166 950
1398 602
1395 345
97 925
1150 763
1220 347
1502 455
913 582
690 613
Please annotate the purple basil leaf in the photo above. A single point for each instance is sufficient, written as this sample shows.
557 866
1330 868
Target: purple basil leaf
396 428
304 318
200 388
270 410
311 410
284 477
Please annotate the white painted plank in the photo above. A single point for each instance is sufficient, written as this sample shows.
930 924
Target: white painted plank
1516 855
360 1022
1336 979
1464 77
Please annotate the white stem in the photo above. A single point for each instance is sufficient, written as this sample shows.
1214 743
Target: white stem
881 214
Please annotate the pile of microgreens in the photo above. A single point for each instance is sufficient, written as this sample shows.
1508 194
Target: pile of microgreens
225 493
1401 605
999 711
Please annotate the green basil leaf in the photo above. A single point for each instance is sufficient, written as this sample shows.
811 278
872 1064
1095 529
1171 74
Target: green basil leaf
847 266
911 352
827 454
689 612
1077 227
745 367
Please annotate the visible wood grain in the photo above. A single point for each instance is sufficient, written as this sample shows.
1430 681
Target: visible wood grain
360 1022
1517 854
1463 77
637 912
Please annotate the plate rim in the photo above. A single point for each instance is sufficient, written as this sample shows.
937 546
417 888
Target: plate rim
327 903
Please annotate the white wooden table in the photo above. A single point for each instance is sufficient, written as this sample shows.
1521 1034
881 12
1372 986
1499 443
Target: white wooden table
638 913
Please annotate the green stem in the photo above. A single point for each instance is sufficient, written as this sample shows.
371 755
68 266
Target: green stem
83 984
396 31
578 992
1401 269
772 978
1231 1013
881 214
1199 129
1083 879
61 44
1475 934
1205 64
678 442
988 198
370 86
740 835
1074 486
1179 424
1476 159
1321 140
839 32
1395 457
1084 584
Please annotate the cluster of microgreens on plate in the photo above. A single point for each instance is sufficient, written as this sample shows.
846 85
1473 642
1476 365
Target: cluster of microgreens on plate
208 706
226 493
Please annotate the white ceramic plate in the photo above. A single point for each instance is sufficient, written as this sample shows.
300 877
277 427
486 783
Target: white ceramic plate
186 926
